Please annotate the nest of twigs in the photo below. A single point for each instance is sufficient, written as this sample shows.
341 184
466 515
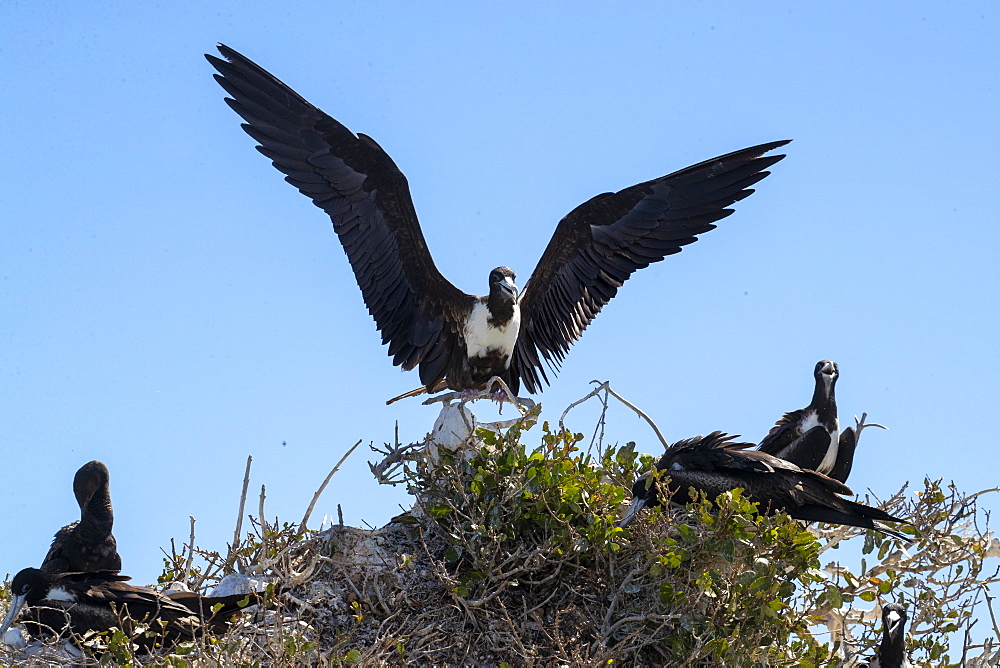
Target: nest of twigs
512 554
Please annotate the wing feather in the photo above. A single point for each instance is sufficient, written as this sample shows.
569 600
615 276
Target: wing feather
353 180
598 245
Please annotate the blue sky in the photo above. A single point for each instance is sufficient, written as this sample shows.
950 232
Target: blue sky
169 305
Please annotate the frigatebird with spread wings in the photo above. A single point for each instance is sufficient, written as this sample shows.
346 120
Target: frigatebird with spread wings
457 340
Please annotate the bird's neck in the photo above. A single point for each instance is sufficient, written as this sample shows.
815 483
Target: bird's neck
99 517
501 308
824 400
891 651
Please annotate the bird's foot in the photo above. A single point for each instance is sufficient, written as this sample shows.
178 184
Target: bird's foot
503 393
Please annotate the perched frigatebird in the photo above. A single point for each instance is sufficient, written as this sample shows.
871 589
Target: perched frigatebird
715 464
74 603
892 650
810 437
458 340
87 544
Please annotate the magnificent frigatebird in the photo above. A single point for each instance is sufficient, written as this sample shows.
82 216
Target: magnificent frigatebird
715 464
74 603
810 437
458 340
87 544
892 651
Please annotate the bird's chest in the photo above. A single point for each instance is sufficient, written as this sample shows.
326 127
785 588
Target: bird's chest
812 419
485 336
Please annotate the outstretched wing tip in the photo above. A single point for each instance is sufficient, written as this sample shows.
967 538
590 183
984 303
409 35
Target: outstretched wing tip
598 245
358 185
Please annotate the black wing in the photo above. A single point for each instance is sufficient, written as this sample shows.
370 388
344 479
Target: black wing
718 454
142 602
56 559
845 455
714 452
72 551
784 432
806 451
598 245
351 178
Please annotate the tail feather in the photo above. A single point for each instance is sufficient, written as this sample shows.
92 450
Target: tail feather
863 517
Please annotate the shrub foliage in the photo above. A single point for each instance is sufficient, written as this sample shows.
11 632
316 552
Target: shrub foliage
512 555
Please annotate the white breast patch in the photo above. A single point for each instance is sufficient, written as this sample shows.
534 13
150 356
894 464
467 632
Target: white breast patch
59 594
481 337
830 459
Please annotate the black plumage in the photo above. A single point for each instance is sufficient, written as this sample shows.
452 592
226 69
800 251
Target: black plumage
715 464
87 544
74 603
845 455
426 321
810 437
848 445
892 650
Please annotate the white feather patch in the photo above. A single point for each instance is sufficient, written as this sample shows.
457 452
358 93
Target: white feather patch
481 337
59 594
830 459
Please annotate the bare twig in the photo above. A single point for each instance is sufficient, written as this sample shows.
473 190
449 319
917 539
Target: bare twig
187 566
606 387
312 504
523 405
239 518
263 524
989 606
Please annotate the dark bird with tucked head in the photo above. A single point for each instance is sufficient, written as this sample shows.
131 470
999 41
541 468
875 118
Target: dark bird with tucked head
74 603
458 340
87 544
715 464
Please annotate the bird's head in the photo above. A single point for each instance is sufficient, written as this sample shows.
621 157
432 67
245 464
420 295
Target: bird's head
827 370
27 588
91 477
644 495
894 619
502 280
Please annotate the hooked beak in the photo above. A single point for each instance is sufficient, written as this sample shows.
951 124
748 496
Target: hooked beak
894 618
638 504
509 287
15 607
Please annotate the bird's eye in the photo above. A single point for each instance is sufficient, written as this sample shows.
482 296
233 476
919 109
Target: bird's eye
25 589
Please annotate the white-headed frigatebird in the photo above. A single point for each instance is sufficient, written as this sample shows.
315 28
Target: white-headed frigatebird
458 340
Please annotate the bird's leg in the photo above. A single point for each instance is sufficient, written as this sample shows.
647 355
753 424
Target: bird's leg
505 393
